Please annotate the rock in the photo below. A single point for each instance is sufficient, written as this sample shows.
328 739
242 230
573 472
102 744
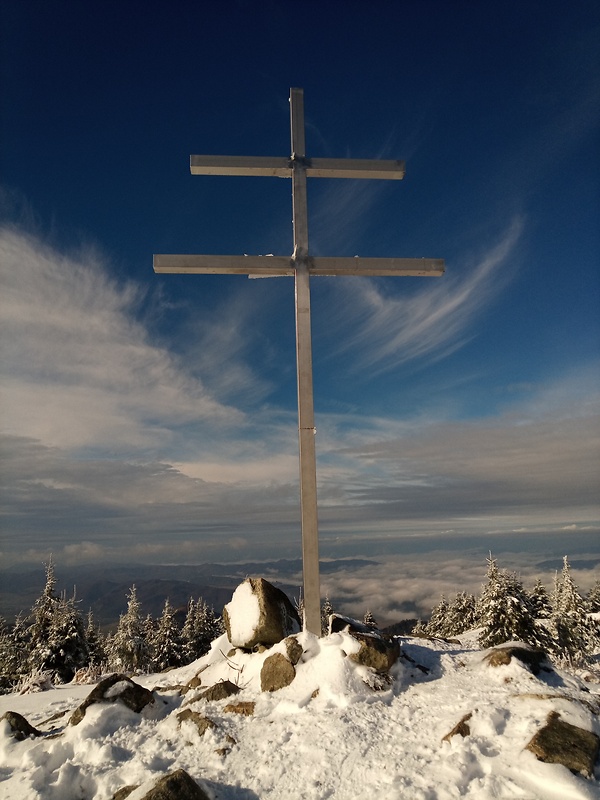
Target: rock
20 728
124 792
219 691
339 623
293 648
461 728
202 723
276 673
259 614
244 707
559 742
533 659
375 652
176 785
115 687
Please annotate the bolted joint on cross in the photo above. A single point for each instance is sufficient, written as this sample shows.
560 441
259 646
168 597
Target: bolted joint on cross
301 265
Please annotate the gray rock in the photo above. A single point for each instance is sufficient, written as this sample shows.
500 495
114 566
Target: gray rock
202 723
559 742
244 707
293 648
176 785
462 728
376 651
20 728
277 616
534 660
112 689
276 673
219 691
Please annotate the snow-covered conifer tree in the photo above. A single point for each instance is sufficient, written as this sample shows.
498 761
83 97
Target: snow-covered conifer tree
438 619
576 635
460 614
167 645
540 601
593 599
369 620
505 612
95 641
326 612
127 650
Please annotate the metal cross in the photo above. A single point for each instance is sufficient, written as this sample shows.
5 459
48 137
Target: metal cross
301 265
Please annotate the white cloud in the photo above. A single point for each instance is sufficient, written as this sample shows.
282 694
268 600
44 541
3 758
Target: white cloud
78 369
384 331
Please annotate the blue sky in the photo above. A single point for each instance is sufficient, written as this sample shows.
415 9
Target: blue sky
154 417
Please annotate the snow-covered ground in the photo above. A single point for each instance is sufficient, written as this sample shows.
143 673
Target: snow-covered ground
346 741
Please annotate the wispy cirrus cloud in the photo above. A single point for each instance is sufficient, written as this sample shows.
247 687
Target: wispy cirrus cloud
384 331
78 368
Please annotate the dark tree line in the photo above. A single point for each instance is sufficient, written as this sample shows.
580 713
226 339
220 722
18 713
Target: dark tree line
561 623
53 639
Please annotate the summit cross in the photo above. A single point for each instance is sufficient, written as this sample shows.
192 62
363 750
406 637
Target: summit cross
301 265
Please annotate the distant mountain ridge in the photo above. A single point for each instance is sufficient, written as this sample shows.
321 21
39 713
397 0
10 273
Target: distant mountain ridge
104 588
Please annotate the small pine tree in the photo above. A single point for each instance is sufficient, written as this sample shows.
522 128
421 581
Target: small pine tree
576 635
326 612
540 601
460 614
506 613
127 650
43 614
369 620
167 645
67 641
593 599
95 641
200 629
438 619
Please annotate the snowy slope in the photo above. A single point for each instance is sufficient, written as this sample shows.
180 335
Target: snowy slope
346 741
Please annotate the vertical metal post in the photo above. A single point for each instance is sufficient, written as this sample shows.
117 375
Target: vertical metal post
306 417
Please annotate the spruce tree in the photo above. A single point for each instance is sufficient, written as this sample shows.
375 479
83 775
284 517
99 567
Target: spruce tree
369 620
43 614
540 601
506 613
167 645
576 635
128 648
460 614
326 612
593 599
95 641
438 619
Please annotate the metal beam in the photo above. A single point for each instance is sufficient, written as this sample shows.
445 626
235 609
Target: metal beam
221 265
355 168
282 167
375 267
240 165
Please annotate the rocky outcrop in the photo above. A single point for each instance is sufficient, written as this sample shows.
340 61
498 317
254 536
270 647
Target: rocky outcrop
176 785
20 728
462 728
559 742
276 673
220 691
376 652
202 723
534 660
244 708
115 688
259 614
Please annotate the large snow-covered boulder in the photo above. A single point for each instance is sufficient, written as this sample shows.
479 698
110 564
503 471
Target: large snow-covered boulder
259 614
